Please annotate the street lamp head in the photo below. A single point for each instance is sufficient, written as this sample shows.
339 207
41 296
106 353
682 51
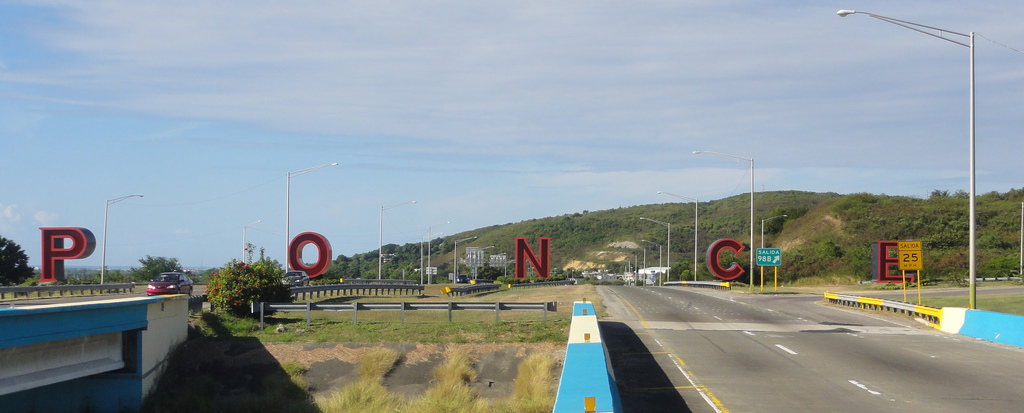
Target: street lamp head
844 13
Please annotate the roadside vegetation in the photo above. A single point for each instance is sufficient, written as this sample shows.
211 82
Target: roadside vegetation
198 382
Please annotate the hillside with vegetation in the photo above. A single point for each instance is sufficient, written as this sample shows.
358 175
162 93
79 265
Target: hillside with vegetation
825 237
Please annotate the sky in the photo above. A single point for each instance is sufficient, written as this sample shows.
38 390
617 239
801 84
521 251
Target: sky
485 113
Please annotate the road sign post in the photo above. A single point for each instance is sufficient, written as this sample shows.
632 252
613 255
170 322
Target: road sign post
911 259
769 257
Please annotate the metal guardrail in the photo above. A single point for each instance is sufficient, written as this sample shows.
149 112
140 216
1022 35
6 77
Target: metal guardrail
543 284
388 282
932 314
715 285
70 289
355 289
356 307
195 303
470 289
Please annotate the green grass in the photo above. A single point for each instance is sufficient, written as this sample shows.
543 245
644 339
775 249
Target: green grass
325 328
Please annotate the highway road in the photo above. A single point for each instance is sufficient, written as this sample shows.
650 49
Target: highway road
677 349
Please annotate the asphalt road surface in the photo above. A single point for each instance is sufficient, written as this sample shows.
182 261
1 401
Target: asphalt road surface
676 349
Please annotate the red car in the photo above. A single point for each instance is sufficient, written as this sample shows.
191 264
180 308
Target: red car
170 283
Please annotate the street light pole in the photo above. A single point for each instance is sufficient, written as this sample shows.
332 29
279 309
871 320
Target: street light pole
288 205
751 160
245 248
380 245
695 204
762 226
973 231
669 237
103 259
455 257
429 239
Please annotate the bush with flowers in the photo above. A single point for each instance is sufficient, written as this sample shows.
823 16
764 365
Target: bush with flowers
238 285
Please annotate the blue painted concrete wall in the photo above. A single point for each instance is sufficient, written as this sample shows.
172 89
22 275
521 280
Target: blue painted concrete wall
587 370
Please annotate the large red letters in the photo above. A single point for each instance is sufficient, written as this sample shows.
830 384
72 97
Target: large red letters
523 252
323 253
728 274
885 266
83 243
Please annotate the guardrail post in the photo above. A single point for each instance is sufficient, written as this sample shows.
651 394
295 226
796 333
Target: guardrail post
355 312
261 316
403 312
449 311
545 313
308 305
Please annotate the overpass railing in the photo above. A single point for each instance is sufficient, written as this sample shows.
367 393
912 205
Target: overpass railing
374 282
715 285
356 307
70 289
932 314
469 289
542 284
315 291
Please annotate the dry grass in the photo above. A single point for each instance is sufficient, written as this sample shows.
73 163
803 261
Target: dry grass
533 386
369 394
449 392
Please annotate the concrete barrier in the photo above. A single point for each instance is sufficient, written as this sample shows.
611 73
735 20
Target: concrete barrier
101 356
986 325
588 382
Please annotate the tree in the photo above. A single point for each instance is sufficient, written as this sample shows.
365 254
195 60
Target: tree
238 285
14 267
152 266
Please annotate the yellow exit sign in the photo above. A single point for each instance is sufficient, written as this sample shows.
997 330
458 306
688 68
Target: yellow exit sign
909 245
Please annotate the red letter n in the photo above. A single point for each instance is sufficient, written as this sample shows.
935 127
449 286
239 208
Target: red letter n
523 251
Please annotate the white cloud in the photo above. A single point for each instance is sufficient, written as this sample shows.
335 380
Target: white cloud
8 216
46 219
181 231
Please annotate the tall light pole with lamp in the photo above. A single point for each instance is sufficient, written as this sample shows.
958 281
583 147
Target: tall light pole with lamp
245 247
422 270
380 245
669 238
659 249
288 206
762 226
103 259
455 257
751 160
429 239
973 231
695 204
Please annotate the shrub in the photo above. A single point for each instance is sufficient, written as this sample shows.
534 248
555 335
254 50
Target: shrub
238 285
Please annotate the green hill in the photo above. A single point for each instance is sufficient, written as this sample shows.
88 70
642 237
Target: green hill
824 237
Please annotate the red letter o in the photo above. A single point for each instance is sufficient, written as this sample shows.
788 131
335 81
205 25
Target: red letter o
323 253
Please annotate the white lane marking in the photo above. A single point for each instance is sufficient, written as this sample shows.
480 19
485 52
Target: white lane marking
863 387
718 318
786 349
748 333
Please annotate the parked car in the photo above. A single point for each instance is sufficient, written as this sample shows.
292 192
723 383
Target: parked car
170 283
462 279
295 278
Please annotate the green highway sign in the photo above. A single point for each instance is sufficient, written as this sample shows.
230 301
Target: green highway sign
769 257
